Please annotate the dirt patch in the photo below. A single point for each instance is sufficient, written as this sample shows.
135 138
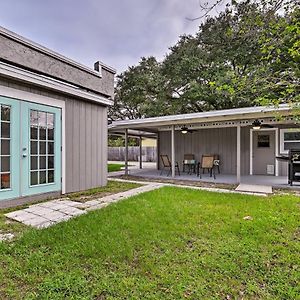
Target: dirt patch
84 199
179 182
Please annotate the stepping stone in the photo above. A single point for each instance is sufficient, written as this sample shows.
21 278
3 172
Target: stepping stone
54 216
254 188
20 215
38 210
72 211
36 221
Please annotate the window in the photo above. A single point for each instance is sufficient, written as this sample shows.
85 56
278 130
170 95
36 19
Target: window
289 139
41 148
263 141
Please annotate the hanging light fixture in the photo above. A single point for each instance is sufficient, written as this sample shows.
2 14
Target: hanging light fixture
256 124
184 129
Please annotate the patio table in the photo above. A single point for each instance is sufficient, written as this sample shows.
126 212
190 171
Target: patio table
191 164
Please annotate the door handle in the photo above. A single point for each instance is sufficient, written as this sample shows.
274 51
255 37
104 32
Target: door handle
24 154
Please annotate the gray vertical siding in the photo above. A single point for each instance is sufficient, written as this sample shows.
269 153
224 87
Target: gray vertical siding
220 141
86 139
86 145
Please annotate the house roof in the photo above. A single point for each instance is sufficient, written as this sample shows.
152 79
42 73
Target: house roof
40 48
8 71
20 52
235 114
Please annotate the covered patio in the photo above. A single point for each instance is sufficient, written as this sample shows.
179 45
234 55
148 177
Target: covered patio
149 171
246 141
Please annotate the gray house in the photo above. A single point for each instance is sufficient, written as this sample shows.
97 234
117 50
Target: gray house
245 140
53 121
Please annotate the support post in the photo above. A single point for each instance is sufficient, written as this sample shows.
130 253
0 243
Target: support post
238 153
141 154
173 150
126 151
157 151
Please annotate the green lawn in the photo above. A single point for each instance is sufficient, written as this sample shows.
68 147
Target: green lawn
170 243
114 167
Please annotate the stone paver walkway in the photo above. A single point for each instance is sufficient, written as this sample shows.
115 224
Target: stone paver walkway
43 215
46 214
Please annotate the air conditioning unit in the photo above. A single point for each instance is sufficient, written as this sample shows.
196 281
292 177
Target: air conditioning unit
270 169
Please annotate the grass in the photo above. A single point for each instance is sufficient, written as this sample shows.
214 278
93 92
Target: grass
170 243
114 167
112 187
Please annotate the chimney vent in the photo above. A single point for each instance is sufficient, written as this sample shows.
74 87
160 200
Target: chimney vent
98 67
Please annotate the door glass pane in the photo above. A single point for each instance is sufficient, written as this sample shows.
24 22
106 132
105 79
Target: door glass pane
42 163
5 163
34 147
5 150
5 147
5 181
50 120
50 162
34 178
50 176
42 119
42 150
5 113
34 133
43 178
51 134
42 133
34 162
5 130
50 148
34 118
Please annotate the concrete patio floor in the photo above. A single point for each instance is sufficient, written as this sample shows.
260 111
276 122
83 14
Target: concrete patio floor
149 171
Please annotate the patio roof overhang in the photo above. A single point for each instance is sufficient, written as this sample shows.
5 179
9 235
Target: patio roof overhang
217 118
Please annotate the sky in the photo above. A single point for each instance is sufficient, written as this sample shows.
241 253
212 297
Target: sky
116 32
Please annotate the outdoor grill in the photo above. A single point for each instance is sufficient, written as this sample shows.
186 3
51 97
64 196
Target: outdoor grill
294 166
293 160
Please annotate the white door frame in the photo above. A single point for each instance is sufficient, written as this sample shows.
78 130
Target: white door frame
276 148
41 99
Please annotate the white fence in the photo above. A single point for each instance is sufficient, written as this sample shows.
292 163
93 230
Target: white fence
118 153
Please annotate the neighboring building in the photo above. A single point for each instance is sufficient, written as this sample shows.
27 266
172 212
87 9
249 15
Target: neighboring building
53 121
146 142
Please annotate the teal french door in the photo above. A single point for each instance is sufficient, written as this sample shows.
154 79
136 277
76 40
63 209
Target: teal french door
9 149
32 149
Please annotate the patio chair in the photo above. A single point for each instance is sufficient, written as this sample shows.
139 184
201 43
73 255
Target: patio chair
207 163
190 162
168 165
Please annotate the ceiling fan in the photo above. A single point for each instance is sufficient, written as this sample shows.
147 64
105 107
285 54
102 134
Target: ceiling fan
184 130
258 125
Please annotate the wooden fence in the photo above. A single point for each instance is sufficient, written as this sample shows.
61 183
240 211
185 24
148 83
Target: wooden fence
118 153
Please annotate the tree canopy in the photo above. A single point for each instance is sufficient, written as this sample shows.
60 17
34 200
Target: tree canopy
247 55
